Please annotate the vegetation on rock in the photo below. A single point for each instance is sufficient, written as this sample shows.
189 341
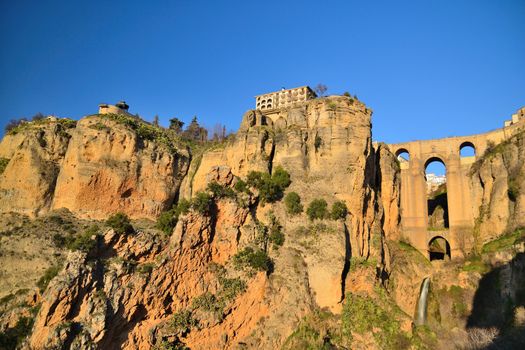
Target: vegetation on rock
271 187
317 209
167 220
3 164
49 274
339 210
254 259
120 223
292 201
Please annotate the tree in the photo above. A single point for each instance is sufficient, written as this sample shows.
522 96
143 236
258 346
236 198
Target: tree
292 201
120 223
320 89
156 120
339 210
317 209
176 124
196 132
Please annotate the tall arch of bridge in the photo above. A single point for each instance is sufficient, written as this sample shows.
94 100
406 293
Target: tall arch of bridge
413 158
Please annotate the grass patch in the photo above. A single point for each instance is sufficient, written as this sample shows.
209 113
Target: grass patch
49 274
504 242
362 314
3 164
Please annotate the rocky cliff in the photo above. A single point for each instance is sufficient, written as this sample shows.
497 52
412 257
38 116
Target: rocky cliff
133 291
228 265
498 187
101 165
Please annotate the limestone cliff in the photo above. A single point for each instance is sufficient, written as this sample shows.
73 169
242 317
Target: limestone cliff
498 187
324 143
35 152
134 290
111 167
105 164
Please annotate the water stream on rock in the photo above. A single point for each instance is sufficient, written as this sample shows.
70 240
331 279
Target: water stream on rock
421 310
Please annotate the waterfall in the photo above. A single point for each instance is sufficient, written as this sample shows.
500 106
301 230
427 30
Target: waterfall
421 310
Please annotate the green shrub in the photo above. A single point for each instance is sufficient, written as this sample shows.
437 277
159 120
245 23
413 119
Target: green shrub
254 259
241 186
167 221
270 188
363 314
202 203
49 274
120 223
317 209
3 164
183 321
209 302
12 338
84 242
220 191
146 268
339 210
183 207
292 201
318 142
276 236
231 287
281 177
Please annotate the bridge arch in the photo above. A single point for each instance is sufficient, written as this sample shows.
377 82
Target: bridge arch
467 149
438 248
435 158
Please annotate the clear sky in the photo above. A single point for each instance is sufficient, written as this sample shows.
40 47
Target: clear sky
428 69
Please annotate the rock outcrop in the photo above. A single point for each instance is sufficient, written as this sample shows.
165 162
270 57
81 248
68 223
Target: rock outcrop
103 165
109 168
35 152
498 187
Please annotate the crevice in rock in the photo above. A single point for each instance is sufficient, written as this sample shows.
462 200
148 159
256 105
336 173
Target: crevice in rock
346 267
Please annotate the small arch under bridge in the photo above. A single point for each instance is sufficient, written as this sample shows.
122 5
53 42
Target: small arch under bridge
461 212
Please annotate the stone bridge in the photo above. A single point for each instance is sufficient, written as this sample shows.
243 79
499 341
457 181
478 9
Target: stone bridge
461 214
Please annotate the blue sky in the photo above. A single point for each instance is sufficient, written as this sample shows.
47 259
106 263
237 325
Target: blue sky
428 69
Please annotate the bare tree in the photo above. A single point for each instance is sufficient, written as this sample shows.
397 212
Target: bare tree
320 89
156 120
218 132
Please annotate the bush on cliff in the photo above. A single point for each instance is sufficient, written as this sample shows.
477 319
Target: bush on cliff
270 187
254 259
339 210
84 242
168 219
3 164
317 209
220 191
120 223
292 201
202 203
49 274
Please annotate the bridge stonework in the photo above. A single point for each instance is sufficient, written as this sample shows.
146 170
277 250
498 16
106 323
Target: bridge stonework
461 209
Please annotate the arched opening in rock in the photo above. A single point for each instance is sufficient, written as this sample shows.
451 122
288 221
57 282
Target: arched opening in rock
403 157
438 249
437 203
467 149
